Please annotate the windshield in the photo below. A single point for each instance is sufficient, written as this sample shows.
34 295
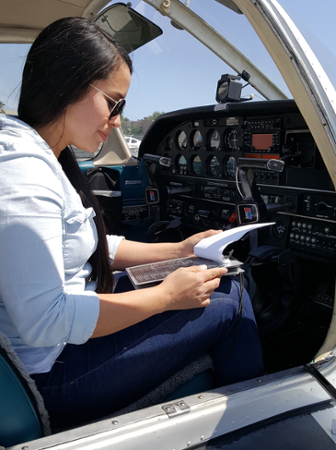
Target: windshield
186 70
317 26
175 71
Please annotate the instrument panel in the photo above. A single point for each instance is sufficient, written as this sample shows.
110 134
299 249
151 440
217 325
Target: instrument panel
204 148
211 147
204 145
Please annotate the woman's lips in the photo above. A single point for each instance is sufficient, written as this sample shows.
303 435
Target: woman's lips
103 136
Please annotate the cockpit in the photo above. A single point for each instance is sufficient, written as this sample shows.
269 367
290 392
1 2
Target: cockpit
196 185
247 149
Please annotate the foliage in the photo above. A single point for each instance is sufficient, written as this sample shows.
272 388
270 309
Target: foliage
154 116
2 107
135 128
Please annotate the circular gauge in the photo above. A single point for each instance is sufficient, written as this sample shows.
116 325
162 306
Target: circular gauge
197 165
230 165
181 165
197 139
231 139
214 139
214 166
182 140
168 143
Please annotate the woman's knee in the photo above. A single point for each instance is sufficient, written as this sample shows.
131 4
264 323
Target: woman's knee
234 296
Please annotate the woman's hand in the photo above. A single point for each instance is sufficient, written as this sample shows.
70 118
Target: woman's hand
186 288
132 253
190 287
187 246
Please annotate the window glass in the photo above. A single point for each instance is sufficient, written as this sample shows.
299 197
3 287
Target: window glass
176 71
315 21
81 155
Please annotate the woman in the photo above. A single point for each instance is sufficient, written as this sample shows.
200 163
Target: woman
93 351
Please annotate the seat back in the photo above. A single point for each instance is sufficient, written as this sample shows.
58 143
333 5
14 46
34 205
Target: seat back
20 404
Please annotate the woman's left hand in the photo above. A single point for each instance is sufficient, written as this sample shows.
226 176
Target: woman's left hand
187 246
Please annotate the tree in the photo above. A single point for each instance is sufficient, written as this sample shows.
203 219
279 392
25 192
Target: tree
153 116
123 118
1 107
135 128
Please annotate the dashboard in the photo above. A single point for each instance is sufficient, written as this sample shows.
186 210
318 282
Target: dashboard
204 144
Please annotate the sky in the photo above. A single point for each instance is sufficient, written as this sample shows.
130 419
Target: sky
175 71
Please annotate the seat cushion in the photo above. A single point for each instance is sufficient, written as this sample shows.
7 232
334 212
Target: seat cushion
18 419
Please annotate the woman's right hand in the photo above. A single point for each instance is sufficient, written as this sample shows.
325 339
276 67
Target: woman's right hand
186 288
190 287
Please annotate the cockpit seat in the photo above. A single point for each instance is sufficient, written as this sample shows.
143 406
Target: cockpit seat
23 416
198 376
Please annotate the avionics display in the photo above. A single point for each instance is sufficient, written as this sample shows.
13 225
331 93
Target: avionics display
262 136
262 141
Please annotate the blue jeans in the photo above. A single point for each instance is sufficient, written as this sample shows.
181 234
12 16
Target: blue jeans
92 380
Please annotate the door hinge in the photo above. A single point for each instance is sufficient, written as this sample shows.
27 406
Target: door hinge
176 409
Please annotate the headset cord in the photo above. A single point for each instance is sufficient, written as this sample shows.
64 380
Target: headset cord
239 315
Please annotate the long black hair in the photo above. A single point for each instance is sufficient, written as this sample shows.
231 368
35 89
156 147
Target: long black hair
65 58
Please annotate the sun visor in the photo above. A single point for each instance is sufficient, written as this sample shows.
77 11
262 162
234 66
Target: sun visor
229 4
129 27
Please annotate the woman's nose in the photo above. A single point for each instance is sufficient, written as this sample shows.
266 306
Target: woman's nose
116 121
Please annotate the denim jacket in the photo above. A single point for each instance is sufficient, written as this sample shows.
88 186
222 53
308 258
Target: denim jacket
46 239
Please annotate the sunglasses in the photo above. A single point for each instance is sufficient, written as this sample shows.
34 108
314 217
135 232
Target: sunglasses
116 108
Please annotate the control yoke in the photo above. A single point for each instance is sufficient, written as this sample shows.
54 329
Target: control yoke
156 160
156 193
252 208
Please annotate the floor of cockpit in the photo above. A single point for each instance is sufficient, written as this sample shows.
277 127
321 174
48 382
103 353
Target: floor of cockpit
306 328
